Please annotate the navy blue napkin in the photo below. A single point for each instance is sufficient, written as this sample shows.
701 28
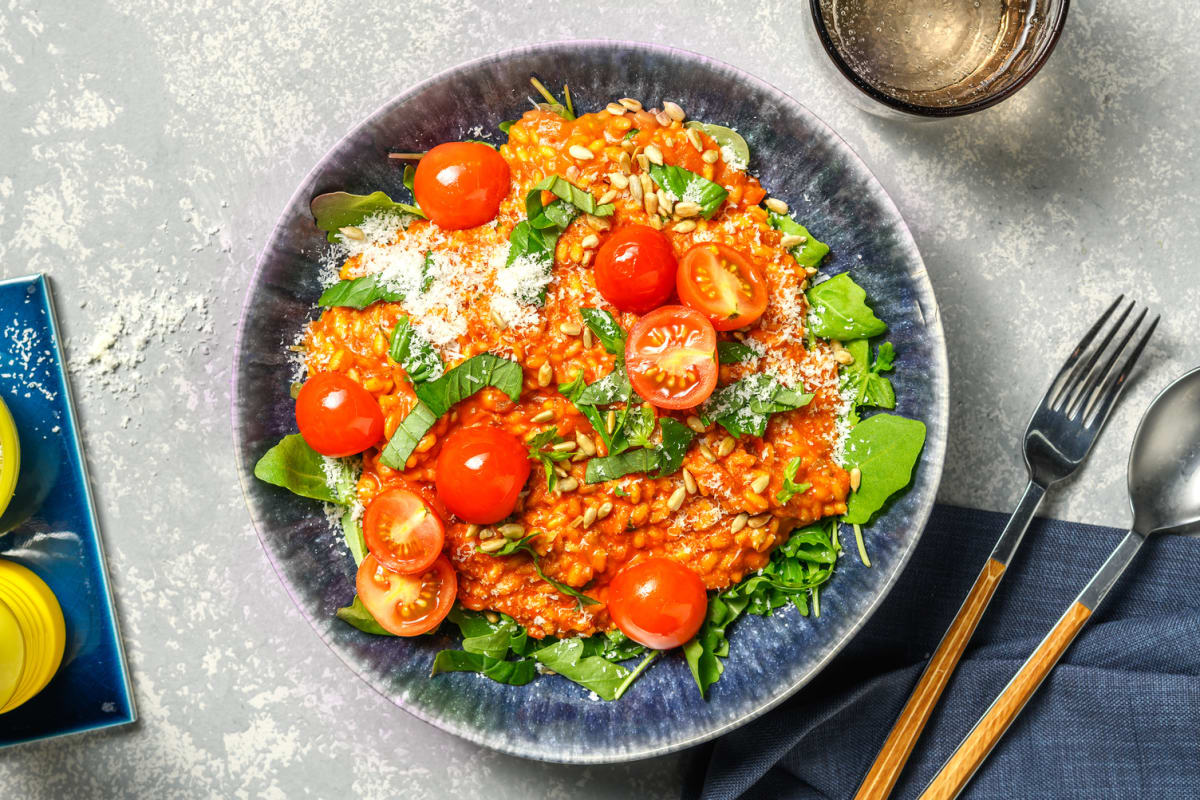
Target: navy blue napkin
1119 717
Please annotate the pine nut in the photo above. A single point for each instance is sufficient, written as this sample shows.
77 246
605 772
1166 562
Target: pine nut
353 232
545 374
654 154
587 257
676 498
687 226
685 208
605 509
486 533
608 197
491 545
707 453
560 472
694 423
564 447
570 328
585 443
656 222
647 184
665 204
662 119
572 173
643 162
597 223
590 241
726 446
855 479
673 111
589 516
587 334
630 103
616 109
710 156
689 481
625 164
618 180
760 483
491 616
843 357
567 485
498 320
512 530
790 240
635 190
472 531
759 521
542 416
693 137
651 203
580 152
610 421
776 205
739 522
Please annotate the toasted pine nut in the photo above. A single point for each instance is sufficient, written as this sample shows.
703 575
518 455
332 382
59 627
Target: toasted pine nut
843 357
777 205
651 203
689 481
654 154
726 446
512 530
685 208
759 521
739 522
498 320
676 498
585 443
643 162
673 111
694 423
625 164
605 509
580 152
790 240
567 485
693 137
608 197
564 447
589 516
635 190
855 479
662 119
590 241
472 531
542 416
618 180
570 328
665 204
597 223
587 332
545 374
656 222
491 546
687 226
616 109
760 483
353 232
630 103
610 421
707 453
710 156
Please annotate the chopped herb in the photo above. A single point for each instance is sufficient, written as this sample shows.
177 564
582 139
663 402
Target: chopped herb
358 293
639 425
629 134
676 438
413 351
547 458
295 466
838 310
608 331
735 352
427 275
612 388
683 184
569 192
615 442
619 492
808 253
744 407
790 487
733 147
336 210
885 447
662 459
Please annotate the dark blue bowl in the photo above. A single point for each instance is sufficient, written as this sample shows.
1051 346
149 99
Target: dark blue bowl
798 159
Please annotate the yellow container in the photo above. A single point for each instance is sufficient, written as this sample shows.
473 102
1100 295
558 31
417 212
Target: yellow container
33 635
10 456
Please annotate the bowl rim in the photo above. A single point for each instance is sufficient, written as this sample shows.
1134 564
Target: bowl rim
939 405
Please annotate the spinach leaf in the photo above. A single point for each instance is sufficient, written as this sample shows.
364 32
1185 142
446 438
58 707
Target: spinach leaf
745 406
705 652
735 352
608 331
408 435
808 253
336 210
609 468
468 378
676 439
683 184
862 377
525 545
356 614
298 468
885 447
566 657
493 639
838 310
413 351
790 487
513 673
358 293
547 458
734 149
353 533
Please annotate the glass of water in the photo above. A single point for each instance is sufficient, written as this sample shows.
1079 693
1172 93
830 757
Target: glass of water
936 58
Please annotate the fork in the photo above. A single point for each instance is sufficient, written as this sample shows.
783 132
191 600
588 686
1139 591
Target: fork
1059 437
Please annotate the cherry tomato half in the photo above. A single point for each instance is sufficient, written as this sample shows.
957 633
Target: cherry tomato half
635 269
723 285
671 356
460 184
337 417
480 472
407 605
402 532
657 602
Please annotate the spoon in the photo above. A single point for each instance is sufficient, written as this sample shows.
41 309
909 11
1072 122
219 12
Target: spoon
1164 491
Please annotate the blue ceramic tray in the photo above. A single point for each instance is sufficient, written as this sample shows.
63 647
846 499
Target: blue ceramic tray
51 528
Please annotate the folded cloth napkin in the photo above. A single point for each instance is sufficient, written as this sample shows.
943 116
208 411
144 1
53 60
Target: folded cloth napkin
1119 717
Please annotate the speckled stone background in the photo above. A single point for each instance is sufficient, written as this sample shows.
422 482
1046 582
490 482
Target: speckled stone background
148 145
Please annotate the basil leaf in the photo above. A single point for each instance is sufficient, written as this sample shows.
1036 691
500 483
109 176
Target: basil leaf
413 351
512 673
838 310
298 468
353 533
410 180
790 487
427 275
468 378
608 331
734 150
504 126
639 426
408 435
615 442
676 439
496 642
547 458
735 352
683 184
358 293
568 192
612 467
596 673
808 253
356 614
662 459
744 407
885 447
612 388
336 210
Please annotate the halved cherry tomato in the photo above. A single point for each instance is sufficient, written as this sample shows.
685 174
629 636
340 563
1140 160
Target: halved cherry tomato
402 532
460 184
723 285
337 417
671 357
407 605
657 602
480 472
635 269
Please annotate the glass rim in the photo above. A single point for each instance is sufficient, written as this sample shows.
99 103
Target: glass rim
936 111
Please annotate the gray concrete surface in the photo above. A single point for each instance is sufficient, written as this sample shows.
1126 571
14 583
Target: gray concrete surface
147 146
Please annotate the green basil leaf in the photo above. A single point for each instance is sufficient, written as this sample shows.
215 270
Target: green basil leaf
468 378
547 458
734 150
735 352
683 184
838 310
676 439
612 467
615 442
427 274
413 351
298 468
596 673
570 193
410 179
808 253
608 331
336 210
790 487
504 126
640 426
502 637
408 435
512 673
358 293
535 237
612 388
885 447
353 533
356 614
745 406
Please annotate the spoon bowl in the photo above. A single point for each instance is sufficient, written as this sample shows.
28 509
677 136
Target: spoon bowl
1164 463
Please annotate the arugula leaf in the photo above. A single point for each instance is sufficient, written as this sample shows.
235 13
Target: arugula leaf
525 545
353 533
790 487
808 253
493 639
547 458
513 673
298 468
408 435
734 149
566 657
616 646
862 377
683 184
468 378
608 331
704 653
885 447
358 293
735 352
356 614
336 210
838 310
745 406
413 351
676 439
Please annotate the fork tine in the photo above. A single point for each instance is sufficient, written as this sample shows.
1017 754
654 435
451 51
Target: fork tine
1100 374
1107 393
1065 376
1086 369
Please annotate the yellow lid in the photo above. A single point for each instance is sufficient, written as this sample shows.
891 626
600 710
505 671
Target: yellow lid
41 626
12 653
10 456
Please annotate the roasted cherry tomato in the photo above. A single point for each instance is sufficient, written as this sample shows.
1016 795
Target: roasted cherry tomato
480 472
337 417
460 184
723 285
657 602
407 605
402 532
671 356
635 269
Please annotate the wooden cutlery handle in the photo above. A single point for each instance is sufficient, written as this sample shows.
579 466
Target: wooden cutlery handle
882 776
980 741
